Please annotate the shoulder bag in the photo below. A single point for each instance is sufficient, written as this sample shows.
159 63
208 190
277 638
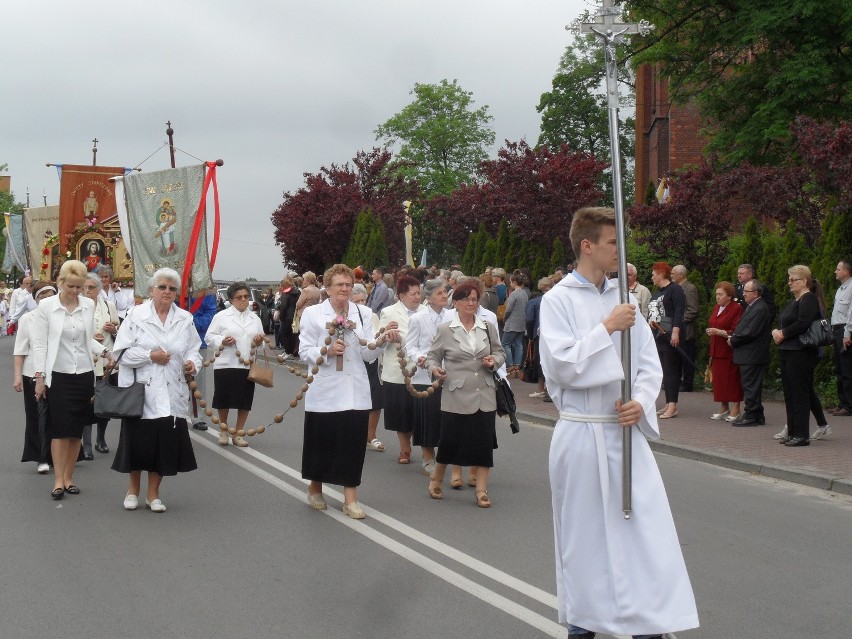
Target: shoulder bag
504 395
119 401
819 334
260 374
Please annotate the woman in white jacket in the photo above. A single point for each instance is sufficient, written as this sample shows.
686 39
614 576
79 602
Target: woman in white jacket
157 345
63 351
237 328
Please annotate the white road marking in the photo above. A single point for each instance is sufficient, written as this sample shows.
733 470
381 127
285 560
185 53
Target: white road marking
546 625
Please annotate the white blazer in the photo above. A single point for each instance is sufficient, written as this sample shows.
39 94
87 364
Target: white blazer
104 312
167 393
244 327
391 372
333 390
46 329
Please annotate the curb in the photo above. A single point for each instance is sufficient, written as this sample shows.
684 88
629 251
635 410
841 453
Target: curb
813 479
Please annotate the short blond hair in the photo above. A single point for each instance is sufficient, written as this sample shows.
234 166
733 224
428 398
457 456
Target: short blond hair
802 271
587 224
71 268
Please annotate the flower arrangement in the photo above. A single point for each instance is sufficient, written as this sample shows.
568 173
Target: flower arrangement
49 242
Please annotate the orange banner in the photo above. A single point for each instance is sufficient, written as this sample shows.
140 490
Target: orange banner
85 196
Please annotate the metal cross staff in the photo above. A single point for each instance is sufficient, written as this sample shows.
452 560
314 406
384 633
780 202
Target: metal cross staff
607 28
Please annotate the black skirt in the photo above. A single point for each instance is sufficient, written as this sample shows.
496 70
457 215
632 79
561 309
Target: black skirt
427 418
375 385
232 389
159 446
467 440
69 404
399 408
334 448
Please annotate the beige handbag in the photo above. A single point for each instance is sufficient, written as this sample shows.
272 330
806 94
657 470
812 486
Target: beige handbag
708 372
260 371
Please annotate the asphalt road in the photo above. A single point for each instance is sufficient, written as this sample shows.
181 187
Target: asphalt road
239 553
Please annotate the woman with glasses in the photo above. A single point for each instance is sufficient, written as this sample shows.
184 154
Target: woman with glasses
464 353
237 329
157 345
798 361
106 327
335 342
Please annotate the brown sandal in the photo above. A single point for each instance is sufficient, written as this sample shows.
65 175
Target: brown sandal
404 457
435 491
482 499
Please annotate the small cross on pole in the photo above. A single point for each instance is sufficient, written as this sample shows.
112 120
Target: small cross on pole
608 29
95 152
170 132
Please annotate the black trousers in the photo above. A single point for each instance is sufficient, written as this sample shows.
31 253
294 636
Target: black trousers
842 368
688 347
797 379
751 379
671 362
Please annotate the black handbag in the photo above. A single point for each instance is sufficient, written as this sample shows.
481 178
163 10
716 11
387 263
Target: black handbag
119 401
819 334
530 367
504 395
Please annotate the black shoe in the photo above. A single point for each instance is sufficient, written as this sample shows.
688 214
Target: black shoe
548 399
200 426
88 456
101 447
798 441
57 493
685 389
748 421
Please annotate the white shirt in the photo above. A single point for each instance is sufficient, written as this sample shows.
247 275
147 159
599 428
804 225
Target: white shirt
243 327
73 355
841 312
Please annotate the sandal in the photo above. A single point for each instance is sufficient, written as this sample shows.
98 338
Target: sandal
404 457
57 493
456 483
375 444
435 491
471 481
71 489
482 499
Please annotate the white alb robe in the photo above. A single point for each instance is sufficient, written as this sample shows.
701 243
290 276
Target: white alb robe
616 576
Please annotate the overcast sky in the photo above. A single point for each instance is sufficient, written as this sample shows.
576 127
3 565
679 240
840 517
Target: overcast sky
275 88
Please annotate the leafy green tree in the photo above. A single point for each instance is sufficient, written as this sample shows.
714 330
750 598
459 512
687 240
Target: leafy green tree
376 251
557 256
540 267
575 110
441 135
487 255
503 241
752 67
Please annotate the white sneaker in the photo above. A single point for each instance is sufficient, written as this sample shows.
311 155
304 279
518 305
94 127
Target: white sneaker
131 502
821 432
223 438
43 469
538 394
719 416
782 434
156 506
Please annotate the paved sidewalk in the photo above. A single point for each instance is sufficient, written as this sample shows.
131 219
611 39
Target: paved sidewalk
826 463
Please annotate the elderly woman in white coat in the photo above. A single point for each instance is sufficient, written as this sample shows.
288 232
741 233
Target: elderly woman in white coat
157 345
63 350
337 403
36 444
399 405
422 328
237 329
465 352
106 326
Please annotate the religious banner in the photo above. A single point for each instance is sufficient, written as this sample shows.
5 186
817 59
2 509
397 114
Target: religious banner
41 225
161 213
85 196
15 253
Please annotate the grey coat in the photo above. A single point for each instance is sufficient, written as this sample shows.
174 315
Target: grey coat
469 386
515 319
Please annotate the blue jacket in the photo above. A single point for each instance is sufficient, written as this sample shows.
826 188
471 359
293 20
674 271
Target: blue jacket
204 315
533 317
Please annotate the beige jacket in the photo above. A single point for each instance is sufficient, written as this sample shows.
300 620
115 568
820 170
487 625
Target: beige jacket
469 386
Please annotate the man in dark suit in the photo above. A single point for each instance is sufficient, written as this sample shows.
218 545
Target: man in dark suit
750 341
746 273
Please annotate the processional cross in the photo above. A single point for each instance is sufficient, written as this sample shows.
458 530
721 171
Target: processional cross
608 29
95 152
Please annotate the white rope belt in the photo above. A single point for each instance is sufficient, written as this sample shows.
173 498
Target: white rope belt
595 419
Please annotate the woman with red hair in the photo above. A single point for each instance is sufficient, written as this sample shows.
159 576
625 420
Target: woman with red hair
727 389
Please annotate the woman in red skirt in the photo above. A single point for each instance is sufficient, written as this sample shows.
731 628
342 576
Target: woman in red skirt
727 389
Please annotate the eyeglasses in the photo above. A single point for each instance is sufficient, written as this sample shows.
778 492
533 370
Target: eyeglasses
163 287
795 279
342 285
748 290
241 297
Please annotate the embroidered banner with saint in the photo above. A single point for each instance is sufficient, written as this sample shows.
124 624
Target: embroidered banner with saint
85 195
41 223
15 251
161 210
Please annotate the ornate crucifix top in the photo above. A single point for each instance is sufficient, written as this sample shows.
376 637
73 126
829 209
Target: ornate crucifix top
608 28
95 152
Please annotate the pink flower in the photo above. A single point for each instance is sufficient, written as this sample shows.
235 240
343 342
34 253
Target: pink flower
340 320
